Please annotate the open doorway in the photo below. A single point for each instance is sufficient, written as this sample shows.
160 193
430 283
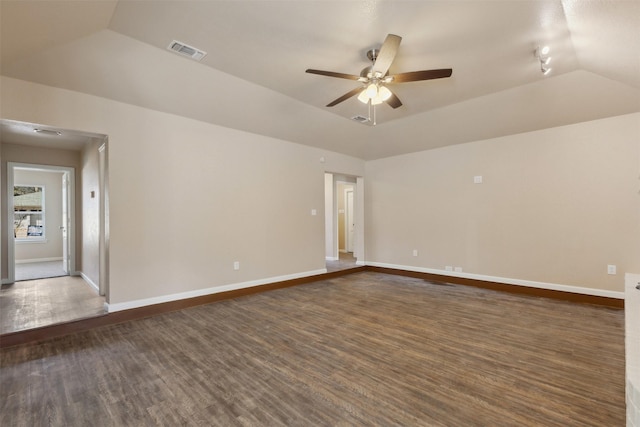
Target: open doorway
40 165
343 221
42 225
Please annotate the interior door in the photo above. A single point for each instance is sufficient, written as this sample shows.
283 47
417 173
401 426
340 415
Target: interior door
64 227
349 218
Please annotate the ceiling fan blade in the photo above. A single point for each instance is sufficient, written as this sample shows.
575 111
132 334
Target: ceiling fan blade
333 74
393 101
345 96
414 76
387 54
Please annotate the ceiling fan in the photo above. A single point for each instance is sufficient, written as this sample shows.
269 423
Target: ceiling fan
375 77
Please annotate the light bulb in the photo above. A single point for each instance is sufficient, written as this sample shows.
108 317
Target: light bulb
545 50
372 90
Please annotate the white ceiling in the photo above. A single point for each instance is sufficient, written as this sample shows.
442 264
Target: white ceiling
253 76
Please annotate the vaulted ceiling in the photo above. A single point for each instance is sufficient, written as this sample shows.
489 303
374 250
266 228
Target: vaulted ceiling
253 76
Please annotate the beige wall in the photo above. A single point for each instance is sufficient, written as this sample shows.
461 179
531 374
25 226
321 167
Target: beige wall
555 206
90 213
51 247
40 156
252 195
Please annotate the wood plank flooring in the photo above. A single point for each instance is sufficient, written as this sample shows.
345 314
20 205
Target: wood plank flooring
43 302
362 349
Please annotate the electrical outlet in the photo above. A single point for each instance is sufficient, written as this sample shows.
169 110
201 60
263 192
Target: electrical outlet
236 265
415 252
458 269
611 269
448 268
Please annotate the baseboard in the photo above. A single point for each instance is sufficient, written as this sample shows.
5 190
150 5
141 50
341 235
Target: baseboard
89 281
331 258
112 308
549 290
31 261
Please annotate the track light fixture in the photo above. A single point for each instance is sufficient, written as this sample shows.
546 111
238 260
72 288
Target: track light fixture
543 57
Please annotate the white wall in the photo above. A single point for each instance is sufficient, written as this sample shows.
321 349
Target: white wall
51 247
555 206
252 195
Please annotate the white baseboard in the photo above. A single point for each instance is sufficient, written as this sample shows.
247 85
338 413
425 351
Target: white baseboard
29 261
506 281
111 308
331 258
89 281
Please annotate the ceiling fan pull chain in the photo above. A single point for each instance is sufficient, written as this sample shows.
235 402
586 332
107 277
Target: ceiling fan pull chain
374 115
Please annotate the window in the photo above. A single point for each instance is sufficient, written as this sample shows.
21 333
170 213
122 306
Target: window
28 213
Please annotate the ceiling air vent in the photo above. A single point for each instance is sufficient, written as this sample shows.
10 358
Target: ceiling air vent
186 50
360 119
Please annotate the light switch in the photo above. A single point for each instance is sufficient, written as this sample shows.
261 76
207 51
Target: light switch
477 179
314 212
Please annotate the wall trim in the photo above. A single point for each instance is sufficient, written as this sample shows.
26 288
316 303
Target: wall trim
506 281
112 308
331 258
29 261
90 282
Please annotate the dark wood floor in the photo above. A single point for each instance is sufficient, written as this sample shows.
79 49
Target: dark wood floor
362 349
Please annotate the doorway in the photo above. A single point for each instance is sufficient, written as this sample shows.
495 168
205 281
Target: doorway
82 288
41 205
344 220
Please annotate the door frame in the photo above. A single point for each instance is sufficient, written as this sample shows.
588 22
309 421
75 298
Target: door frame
71 202
331 211
349 218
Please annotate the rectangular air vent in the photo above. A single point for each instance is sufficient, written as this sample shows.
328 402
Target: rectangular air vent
186 50
360 119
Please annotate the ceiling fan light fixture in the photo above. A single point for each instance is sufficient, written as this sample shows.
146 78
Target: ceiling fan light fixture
363 97
376 100
384 93
372 90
